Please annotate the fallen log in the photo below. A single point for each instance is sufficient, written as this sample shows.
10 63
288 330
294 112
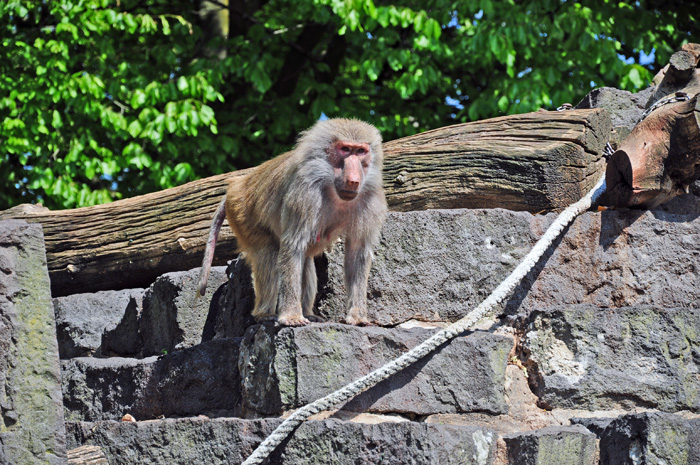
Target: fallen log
536 162
660 158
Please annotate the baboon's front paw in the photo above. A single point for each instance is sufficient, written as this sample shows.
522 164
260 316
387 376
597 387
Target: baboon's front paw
292 320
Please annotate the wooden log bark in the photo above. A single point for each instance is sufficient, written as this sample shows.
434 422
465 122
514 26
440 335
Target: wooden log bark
536 162
129 243
660 158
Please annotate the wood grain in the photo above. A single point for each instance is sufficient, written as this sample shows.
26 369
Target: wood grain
536 162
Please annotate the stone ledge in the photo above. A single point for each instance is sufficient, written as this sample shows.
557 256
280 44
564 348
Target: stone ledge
555 445
199 380
437 265
648 438
584 357
331 441
285 369
84 320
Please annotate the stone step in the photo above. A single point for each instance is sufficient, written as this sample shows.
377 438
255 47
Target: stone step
99 324
199 380
648 438
577 357
570 445
431 266
139 322
437 265
584 357
330 441
172 441
285 369
609 320
173 319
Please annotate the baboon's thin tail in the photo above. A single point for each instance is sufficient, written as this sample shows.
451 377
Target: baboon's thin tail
216 223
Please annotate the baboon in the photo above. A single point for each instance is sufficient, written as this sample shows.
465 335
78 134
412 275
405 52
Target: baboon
291 208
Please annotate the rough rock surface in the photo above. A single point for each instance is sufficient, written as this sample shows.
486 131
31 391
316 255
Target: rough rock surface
298 365
341 442
230 312
172 318
625 108
555 445
622 259
82 320
434 265
437 265
650 438
231 440
32 428
587 357
124 340
199 380
606 322
182 441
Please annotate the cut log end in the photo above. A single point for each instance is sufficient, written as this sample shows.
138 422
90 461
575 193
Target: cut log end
618 178
659 160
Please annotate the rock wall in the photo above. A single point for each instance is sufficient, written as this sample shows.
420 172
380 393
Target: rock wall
32 429
594 360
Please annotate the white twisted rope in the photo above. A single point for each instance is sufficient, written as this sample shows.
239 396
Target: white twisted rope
439 338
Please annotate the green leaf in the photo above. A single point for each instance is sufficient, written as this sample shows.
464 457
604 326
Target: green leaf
182 84
130 23
171 125
134 128
419 23
383 16
421 42
90 171
260 79
503 103
56 120
432 29
138 99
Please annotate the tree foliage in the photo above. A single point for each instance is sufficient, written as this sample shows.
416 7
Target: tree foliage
101 100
